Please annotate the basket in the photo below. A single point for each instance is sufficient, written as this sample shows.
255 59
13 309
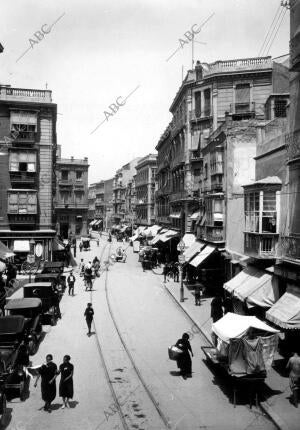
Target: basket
174 352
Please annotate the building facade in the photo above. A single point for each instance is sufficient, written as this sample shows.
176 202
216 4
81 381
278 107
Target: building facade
145 189
27 178
71 204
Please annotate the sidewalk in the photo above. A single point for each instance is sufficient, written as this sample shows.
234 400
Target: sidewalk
277 406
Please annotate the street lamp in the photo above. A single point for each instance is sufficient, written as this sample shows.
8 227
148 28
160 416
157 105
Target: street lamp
181 260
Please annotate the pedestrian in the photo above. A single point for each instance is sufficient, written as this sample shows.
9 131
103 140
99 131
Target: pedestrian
81 267
47 372
98 242
80 246
184 361
89 316
216 312
197 295
66 390
71 281
227 304
293 366
74 246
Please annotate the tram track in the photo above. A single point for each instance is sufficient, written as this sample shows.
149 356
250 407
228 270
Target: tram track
124 418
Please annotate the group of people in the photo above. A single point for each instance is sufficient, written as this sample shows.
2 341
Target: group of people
48 373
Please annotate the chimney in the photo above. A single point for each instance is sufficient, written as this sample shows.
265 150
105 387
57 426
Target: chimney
199 71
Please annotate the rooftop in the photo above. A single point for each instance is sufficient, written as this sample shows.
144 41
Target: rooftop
71 161
7 93
269 180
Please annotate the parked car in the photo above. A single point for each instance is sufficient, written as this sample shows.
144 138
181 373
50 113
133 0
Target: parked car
13 355
31 310
58 280
50 298
53 267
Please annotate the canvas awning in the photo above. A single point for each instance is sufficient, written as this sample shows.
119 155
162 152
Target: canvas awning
21 246
57 245
5 252
232 326
254 287
286 311
175 215
93 222
134 237
206 252
168 235
195 215
188 239
194 249
157 237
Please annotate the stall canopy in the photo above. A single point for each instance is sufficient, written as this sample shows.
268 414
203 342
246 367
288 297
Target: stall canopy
188 239
5 252
286 311
233 326
255 287
195 216
168 235
194 249
21 246
206 252
157 237
152 231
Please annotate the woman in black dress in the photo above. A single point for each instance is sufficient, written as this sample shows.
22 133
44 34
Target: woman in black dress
184 361
47 372
66 391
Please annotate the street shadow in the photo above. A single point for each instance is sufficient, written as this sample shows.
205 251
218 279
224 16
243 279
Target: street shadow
55 406
279 365
175 373
6 419
91 333
73 404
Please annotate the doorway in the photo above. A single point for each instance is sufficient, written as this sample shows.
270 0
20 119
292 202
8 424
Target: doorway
64 230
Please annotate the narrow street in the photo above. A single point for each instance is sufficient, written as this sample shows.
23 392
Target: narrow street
149 321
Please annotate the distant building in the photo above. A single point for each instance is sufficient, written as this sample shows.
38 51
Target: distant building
144 190
123 202
71 205
27 170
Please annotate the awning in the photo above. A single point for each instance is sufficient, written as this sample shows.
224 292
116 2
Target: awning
188 239
157 237
5 252
134 237
255 287
122 229
93 222
195 215
23 117
57 245
168 235
21 246
194 249
232 326
98 222
206 252
286 311
175 215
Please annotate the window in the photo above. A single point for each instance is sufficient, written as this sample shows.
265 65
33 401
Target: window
22 202
207 102
64 175
22 161
280 108
269 212
242 98
78 175
198 104
252 211
65 195
205 171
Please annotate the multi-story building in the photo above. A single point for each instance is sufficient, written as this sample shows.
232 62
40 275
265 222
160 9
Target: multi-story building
71 205
122 188
91 202
27 173
144 189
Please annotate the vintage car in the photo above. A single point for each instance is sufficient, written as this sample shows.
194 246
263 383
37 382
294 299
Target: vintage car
31 310
86 243
13 355
120 255
58 280
53 267
50 298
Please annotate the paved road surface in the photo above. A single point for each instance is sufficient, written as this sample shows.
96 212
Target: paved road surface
149 322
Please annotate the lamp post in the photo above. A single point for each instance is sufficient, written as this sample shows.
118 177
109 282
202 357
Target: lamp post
181 260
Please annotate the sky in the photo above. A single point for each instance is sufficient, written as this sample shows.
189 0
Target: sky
96 53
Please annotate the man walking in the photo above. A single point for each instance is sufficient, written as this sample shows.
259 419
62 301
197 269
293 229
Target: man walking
71 281
293 366
89 316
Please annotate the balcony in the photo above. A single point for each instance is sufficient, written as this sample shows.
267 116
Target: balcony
177 125
22 221
195 156
65 183
28 178
99 202
24 137
22 94
178 195
289 248
195 115
215 187
214 234
260 245
243 109
292 143
71 205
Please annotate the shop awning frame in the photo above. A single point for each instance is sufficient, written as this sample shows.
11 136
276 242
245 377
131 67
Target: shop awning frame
285 313
5 252
203 254
193 250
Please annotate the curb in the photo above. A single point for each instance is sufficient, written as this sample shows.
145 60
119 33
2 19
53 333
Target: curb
264 406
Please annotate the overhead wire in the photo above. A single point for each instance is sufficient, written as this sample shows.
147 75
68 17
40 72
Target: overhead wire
267 35
282 18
